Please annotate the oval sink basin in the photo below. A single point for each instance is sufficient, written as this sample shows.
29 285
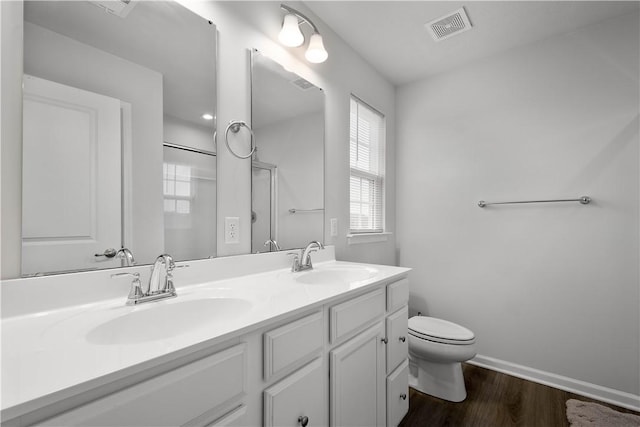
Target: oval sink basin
150 323
336 275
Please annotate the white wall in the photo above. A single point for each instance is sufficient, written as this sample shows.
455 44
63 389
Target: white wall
52 56
552 287
296 147
245 25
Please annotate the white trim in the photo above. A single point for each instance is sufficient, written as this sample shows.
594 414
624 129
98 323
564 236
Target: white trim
594 391
127 175
360 238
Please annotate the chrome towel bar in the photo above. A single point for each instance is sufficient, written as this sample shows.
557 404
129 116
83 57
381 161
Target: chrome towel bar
294 210
585 200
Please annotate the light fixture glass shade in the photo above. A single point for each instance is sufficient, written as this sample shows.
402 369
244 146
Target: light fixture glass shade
290 35
316 52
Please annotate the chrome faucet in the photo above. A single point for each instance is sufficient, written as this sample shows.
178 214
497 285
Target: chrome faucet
127 256
271 242
156 283
160 284
305 261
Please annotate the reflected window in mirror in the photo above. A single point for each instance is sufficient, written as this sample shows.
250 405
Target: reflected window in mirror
140 78
287 114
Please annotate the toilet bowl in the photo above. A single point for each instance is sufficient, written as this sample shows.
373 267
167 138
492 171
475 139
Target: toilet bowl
436 349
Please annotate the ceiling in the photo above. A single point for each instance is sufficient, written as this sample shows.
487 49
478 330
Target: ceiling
390 35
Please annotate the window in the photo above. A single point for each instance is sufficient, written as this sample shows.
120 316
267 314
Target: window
367 138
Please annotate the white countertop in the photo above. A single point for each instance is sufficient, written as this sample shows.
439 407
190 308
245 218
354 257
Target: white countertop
46 354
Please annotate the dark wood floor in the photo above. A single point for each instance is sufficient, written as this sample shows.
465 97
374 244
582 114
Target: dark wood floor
494 400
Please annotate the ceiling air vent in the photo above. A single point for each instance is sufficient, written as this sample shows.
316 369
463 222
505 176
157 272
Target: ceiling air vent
448 26
119 8
302 83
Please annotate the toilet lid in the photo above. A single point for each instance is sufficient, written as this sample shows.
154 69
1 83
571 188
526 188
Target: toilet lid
438 328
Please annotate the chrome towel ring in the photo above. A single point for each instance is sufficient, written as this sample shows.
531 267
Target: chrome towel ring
234 126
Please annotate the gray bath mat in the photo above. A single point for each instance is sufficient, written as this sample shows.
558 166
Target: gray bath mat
587 414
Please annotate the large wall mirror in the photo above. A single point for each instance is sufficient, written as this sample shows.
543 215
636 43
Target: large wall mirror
287 186
118 135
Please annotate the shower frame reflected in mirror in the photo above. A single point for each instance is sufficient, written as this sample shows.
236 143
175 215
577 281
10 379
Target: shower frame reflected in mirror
264 200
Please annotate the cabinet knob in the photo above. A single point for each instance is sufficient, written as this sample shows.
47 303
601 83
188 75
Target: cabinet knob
403 339
403 396
384 340
303 421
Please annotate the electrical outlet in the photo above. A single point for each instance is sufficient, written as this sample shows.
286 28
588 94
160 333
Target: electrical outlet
232 229
334 227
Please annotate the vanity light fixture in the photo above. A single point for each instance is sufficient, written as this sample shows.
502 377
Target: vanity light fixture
291 36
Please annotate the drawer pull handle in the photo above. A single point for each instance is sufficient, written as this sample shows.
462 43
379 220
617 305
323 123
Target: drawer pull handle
403 396
303 421
384 340
403 339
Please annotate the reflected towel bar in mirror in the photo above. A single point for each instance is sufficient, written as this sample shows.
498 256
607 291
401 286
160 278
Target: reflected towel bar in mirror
294 210
585 200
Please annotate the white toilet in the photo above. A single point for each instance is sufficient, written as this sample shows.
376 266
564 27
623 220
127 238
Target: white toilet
436 349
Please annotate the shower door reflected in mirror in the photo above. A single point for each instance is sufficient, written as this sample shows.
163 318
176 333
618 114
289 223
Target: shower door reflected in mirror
287 115
189 187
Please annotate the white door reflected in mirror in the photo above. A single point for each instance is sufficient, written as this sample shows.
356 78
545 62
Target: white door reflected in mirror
71 209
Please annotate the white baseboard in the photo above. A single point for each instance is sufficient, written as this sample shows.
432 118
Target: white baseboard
594 391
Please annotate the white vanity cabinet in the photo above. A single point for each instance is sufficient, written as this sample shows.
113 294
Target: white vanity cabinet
340 362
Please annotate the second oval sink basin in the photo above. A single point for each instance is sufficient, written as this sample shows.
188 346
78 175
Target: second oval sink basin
336 275
151 323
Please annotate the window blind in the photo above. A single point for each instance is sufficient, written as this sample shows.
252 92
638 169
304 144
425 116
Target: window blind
366 158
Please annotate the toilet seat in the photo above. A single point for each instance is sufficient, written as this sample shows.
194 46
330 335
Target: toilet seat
440 331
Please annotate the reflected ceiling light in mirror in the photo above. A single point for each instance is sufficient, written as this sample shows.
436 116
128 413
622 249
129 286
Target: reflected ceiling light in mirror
291 36
207 116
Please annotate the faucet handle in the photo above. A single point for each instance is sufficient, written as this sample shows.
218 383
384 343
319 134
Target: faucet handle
135 292
296 261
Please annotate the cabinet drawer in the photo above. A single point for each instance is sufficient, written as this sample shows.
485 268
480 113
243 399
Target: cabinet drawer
355 313
231 419
398 343
289 345
301 394
397 294
170 399
398 394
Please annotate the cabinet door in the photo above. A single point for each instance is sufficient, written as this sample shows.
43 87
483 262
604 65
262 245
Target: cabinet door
398 394
358 380
300 395
398 345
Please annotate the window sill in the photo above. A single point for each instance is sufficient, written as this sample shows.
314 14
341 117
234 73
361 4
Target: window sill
361 238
